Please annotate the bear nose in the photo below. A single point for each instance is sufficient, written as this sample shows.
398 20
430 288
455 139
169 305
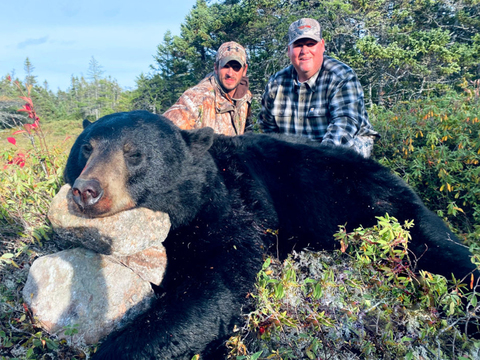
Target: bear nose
86 193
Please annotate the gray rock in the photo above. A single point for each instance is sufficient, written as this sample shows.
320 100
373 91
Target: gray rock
81 287
124 233
149 264
132 237
98 293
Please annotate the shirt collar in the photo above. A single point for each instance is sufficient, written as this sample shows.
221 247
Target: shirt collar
310 82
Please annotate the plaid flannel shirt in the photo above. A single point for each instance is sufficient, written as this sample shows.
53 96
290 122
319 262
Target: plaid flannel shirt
329 107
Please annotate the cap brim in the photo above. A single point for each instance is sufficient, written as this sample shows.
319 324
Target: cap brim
316 38
227 59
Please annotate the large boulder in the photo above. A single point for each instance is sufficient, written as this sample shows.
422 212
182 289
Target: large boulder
133 237
81 288
105 284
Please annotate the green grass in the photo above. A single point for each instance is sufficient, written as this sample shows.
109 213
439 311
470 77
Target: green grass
56 132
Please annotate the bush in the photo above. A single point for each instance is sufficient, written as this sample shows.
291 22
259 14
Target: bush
30 176
434 145
362 304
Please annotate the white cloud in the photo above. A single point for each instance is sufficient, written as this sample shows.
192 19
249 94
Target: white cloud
30 42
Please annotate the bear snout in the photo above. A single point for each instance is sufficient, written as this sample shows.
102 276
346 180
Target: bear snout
86 193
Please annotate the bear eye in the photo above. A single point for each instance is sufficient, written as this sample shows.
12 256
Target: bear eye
132 155
134 158
87 150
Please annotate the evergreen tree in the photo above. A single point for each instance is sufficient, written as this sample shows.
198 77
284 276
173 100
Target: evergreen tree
95 72
400 49
9 103
29 78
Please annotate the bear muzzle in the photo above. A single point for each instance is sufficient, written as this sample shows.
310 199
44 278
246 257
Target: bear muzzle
86 193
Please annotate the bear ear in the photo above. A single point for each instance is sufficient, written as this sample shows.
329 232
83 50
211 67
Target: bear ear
86 123
198 140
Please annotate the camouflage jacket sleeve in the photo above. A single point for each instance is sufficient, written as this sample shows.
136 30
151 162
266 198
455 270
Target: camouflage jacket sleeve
186 111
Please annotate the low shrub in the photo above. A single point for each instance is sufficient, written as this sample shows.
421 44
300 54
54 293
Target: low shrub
30 176
360 302
434 145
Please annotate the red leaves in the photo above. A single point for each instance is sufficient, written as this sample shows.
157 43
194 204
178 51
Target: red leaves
28 128
28 108
31 129
17 160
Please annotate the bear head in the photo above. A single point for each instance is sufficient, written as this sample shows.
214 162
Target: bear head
133 159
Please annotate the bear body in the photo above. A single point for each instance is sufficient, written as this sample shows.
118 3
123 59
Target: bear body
223 195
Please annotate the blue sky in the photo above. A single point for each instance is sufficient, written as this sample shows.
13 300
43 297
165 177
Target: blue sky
60 37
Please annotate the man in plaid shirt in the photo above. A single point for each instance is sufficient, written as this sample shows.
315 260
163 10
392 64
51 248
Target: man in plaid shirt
317 97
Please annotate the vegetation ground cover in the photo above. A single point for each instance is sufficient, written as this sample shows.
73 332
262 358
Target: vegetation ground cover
343 305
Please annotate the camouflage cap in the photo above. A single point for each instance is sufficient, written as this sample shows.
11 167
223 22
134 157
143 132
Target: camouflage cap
231 51
304 28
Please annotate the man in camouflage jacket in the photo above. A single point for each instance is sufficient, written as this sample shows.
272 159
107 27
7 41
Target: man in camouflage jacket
221 100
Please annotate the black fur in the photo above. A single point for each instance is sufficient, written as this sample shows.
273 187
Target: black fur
222 194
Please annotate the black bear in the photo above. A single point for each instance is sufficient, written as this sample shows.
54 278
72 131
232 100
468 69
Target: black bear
222 195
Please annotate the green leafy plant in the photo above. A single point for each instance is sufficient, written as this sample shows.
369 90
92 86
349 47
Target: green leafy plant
434 145
362 301
30 178
71 330
27 185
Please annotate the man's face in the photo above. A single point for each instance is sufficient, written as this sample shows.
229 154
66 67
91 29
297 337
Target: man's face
231 75
306 56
